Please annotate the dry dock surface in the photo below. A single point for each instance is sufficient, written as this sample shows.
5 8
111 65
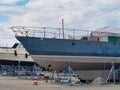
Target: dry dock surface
13 83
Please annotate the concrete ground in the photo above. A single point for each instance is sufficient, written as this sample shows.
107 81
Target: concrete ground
13 83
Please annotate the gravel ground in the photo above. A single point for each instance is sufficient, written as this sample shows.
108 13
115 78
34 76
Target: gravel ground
13 83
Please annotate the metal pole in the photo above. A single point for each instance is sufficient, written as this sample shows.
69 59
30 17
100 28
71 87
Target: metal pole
34 70
19 69
59 33
69 69
0 68
63 28
114 73
13 68
58 76
74 33
109 74
52 77
44 32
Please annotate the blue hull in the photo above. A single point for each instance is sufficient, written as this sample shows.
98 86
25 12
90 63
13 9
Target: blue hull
63 47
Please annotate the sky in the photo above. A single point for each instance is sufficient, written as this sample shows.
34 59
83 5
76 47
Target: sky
78 14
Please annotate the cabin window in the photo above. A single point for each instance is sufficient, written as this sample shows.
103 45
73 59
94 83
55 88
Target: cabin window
20 46
73 44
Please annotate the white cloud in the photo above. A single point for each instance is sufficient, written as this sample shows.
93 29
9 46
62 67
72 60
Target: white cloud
47 12
6 37
72 10
8 1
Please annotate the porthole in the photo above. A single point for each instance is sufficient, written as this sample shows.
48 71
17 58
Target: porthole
73 44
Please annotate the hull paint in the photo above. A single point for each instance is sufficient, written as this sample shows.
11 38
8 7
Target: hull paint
76 62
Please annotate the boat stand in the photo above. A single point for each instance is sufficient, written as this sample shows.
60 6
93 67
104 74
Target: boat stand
2 67
112 72
36 70
65 77
13 68
19 69
70 73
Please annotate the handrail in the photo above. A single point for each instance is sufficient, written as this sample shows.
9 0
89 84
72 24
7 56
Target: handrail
48 32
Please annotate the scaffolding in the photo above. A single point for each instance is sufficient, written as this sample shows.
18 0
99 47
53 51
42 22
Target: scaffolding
20 69
29 72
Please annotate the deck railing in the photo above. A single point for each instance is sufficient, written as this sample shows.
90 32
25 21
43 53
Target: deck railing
49 32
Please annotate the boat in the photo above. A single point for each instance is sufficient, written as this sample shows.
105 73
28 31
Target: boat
92 53
14 54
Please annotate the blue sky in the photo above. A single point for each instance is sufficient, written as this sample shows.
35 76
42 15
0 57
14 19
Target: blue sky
3 18
14 3
79 14
21 3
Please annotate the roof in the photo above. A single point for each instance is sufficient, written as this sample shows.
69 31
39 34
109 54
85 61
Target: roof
106 31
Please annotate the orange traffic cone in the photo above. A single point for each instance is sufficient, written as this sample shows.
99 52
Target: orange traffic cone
35 81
